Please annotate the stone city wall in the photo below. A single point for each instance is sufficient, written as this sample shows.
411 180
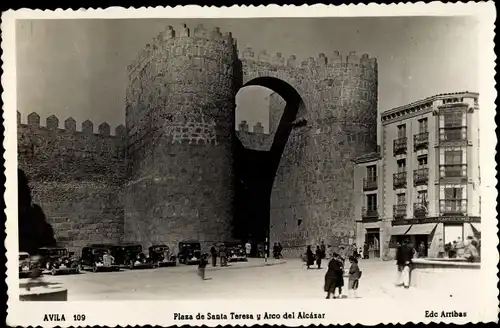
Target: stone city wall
180 124
76 177
256 139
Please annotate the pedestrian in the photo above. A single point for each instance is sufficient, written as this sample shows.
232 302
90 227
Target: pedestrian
404 255
248 248
319 256
280 248
202 265
275 250
223 255
309 257
365 251
440 248
421 249
355 251
460 247
323 249
470 252
332 282
354 276
213 252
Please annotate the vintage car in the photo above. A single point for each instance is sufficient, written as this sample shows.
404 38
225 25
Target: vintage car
160 255
130 255
189 252
235 251
58 260
25 265
98 258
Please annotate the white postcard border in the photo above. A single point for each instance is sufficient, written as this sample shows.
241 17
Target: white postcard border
362 311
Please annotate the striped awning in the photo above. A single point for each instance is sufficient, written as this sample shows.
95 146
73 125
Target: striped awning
421 229
400 230
476 226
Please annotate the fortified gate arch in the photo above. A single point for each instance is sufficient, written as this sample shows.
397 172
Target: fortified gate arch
256 168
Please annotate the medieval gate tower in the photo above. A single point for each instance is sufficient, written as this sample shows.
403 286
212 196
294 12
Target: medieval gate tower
180 123
170 174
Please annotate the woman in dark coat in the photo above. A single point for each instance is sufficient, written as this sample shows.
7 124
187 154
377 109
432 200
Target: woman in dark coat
309 257
332 281
319 256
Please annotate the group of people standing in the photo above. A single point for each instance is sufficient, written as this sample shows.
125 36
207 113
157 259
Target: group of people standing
277 248
317 256
334 277
470 249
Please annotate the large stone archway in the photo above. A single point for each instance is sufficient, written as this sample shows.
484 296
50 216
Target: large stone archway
256 169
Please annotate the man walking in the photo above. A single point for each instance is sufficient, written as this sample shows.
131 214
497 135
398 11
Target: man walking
404 256
213 251
248 248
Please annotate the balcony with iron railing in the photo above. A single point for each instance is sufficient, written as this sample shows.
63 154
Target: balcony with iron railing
369 213
420 176
421 140
453 206
453 134
453 171
400 146
420 209
399 180
399 211
370 183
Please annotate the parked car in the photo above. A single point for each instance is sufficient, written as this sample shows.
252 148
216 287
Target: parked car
58 260
130 255
98 258
235 251
25 265
160 255
189 252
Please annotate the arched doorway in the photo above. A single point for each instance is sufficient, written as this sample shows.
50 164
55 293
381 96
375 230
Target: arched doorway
255 170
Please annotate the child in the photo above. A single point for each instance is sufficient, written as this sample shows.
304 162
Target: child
354 275
202 265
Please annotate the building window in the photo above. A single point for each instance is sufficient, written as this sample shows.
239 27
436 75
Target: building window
371 202
454 202
401 131
401 165
423 125
454 129
371 172
420 207
422 162
453 164
401 198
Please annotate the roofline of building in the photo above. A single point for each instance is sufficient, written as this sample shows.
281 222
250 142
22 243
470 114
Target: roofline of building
427 100
367 159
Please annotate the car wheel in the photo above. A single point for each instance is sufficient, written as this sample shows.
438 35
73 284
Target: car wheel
54 271
94 268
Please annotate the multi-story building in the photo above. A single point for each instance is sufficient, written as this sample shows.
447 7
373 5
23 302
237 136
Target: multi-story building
423 182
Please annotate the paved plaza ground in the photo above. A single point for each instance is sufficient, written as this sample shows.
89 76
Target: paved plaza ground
283 279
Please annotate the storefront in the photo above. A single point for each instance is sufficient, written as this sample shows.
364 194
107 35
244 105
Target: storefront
430 235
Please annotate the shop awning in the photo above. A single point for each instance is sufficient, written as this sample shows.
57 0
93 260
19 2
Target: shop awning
399 230
476 226
421 229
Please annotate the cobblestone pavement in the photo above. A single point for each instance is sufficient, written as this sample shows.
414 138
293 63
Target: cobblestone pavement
251 280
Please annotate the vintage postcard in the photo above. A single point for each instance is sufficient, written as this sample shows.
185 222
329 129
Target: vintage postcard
239 166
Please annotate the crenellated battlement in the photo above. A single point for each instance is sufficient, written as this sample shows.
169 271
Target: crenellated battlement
171 37
322 60
86 127
257 128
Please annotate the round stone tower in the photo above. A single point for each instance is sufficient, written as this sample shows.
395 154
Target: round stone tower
180 123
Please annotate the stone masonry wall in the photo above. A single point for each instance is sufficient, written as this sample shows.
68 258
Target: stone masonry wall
180 123
76 177
312 193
